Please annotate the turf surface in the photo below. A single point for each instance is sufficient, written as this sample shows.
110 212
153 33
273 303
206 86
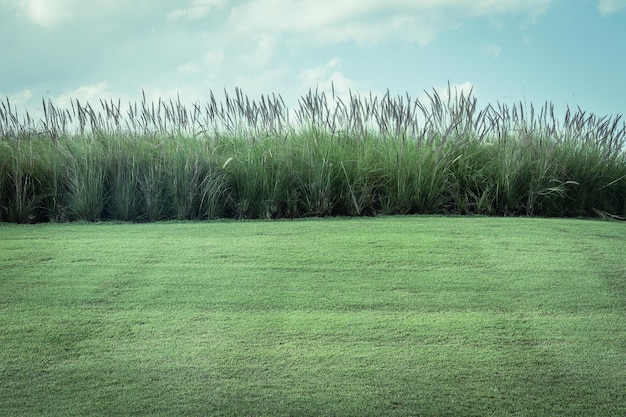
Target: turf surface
425 316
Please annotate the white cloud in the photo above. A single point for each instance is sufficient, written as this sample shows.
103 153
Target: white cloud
20 98
94 93
457 89
263 82
330 79
32 103
210 63
401 27
52 13
492 8
213 58
189 69
492 50
85 94
262 54
187 93
449 91
342 20
197 10
46 13
611 6
327 76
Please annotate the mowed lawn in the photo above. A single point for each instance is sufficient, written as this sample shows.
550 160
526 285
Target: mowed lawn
390 316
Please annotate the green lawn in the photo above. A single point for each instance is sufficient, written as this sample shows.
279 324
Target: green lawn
423 316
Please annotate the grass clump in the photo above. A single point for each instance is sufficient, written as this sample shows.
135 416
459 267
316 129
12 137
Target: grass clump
252 159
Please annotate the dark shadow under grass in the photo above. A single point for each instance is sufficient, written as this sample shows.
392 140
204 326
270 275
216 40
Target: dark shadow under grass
391 316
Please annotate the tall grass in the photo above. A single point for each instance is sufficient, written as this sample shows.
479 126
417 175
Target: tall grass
332 155
87 174
20 183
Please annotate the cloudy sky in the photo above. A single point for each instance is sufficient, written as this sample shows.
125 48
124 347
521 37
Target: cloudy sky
568 52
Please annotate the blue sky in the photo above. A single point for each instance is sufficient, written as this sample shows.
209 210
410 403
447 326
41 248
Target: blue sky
568 52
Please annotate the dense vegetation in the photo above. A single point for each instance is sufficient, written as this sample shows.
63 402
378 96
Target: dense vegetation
242 158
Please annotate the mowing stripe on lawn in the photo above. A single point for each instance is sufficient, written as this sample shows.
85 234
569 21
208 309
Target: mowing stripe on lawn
371 316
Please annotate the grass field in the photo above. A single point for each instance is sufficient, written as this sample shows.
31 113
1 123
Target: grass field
399 316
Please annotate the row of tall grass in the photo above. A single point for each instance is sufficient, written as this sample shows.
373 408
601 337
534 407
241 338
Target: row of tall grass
242 158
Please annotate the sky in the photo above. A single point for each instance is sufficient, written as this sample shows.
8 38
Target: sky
566 52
